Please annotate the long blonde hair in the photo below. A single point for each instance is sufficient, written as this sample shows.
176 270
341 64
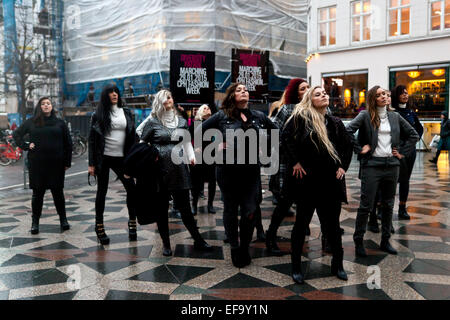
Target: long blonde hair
276 105
314 122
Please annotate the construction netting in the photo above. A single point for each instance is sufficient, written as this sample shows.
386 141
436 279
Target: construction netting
122 38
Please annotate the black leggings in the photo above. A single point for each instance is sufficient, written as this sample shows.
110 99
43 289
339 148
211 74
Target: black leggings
37 201
181 198
116 164
199 177
406 168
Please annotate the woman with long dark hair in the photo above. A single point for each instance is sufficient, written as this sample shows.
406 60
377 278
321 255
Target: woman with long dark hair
112 134
403 104
319 152
294 93
239 181
384 138
162 131
49 156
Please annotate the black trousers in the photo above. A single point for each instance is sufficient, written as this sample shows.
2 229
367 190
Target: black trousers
37 201
116 164
200 174
181 198
328 208
241 189
406 168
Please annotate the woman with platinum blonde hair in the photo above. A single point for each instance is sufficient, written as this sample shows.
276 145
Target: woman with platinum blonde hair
160 131
319 152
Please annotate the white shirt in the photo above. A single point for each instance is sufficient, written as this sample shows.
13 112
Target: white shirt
384 147
115 140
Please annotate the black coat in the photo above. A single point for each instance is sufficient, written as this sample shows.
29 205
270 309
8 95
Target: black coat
52 152
97 139
300 145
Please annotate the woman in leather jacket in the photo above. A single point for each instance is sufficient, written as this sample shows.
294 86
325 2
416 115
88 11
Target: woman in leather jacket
111 136
240 180
161 131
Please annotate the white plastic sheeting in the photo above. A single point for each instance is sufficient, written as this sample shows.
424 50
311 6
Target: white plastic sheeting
120 38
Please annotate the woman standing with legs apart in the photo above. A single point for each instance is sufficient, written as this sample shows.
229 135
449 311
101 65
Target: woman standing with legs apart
111 136
379 148
319 151
49 156
162 130
240 181
404 106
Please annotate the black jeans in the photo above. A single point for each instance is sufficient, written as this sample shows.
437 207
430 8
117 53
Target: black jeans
116 164
373 178
37 201
406 168
328 208
181 198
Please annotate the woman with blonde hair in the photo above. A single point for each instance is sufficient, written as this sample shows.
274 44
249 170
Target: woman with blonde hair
319 152
161 131
202 173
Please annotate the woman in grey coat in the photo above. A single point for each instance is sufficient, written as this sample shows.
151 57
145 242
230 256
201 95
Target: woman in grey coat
379 148
161 130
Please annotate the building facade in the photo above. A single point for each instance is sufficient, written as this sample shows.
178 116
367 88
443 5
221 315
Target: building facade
354 45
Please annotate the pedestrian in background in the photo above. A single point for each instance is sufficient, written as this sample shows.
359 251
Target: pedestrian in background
49 155
444 142
379 147
112 134
403 104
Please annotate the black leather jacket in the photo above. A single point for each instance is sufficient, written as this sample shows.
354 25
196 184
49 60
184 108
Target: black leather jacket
97 139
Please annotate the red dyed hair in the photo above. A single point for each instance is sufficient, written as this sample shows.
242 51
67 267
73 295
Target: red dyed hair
291 96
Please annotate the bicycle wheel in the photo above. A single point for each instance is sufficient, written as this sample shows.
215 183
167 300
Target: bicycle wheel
4 161
77 149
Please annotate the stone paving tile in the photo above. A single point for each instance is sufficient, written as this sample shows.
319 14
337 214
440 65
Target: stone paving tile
46 266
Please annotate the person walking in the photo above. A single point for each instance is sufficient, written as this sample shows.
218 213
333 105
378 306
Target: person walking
403 104
379 147
49 149
112 134
239 182
162 131
319 152
444 142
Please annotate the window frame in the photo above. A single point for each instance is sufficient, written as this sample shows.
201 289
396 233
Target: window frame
442 22
361 16
398 8
327 23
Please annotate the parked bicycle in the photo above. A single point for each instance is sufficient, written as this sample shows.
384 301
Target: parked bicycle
79 143
9 151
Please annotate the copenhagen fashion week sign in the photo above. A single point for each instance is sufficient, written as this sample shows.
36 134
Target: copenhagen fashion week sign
241 147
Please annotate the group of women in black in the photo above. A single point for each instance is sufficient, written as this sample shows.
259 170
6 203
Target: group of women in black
316 151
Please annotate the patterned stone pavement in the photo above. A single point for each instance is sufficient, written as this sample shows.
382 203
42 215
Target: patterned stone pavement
71 265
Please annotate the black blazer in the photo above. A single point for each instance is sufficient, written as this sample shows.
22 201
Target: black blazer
97 139
403 135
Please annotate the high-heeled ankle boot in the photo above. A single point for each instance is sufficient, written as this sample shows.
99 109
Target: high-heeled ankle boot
132 230
297 274
337 267
211 208
101 235
360 251
236 257
245 255
271 244
64 224
202 245
35 224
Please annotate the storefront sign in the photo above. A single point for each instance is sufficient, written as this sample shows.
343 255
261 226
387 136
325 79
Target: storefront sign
251 69
192 76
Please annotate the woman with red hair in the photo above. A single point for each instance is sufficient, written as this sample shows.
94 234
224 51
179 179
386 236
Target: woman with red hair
293 94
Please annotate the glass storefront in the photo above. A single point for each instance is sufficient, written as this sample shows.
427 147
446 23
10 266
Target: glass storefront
347 91
426 85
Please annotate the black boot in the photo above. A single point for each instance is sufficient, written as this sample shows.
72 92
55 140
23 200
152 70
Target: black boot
64 224
337 267
201 245
297 274
372 225
402 213
386 247
245 255
325 245
167 251
132 230
236 257
360 251
271 244
35 224
211 208
101 234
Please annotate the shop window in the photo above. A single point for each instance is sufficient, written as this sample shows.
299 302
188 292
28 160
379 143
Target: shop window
327 26
428 87
399 17
347 91
440 15
361 14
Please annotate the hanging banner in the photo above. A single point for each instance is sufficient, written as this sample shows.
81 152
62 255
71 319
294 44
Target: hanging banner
251 68
192 77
